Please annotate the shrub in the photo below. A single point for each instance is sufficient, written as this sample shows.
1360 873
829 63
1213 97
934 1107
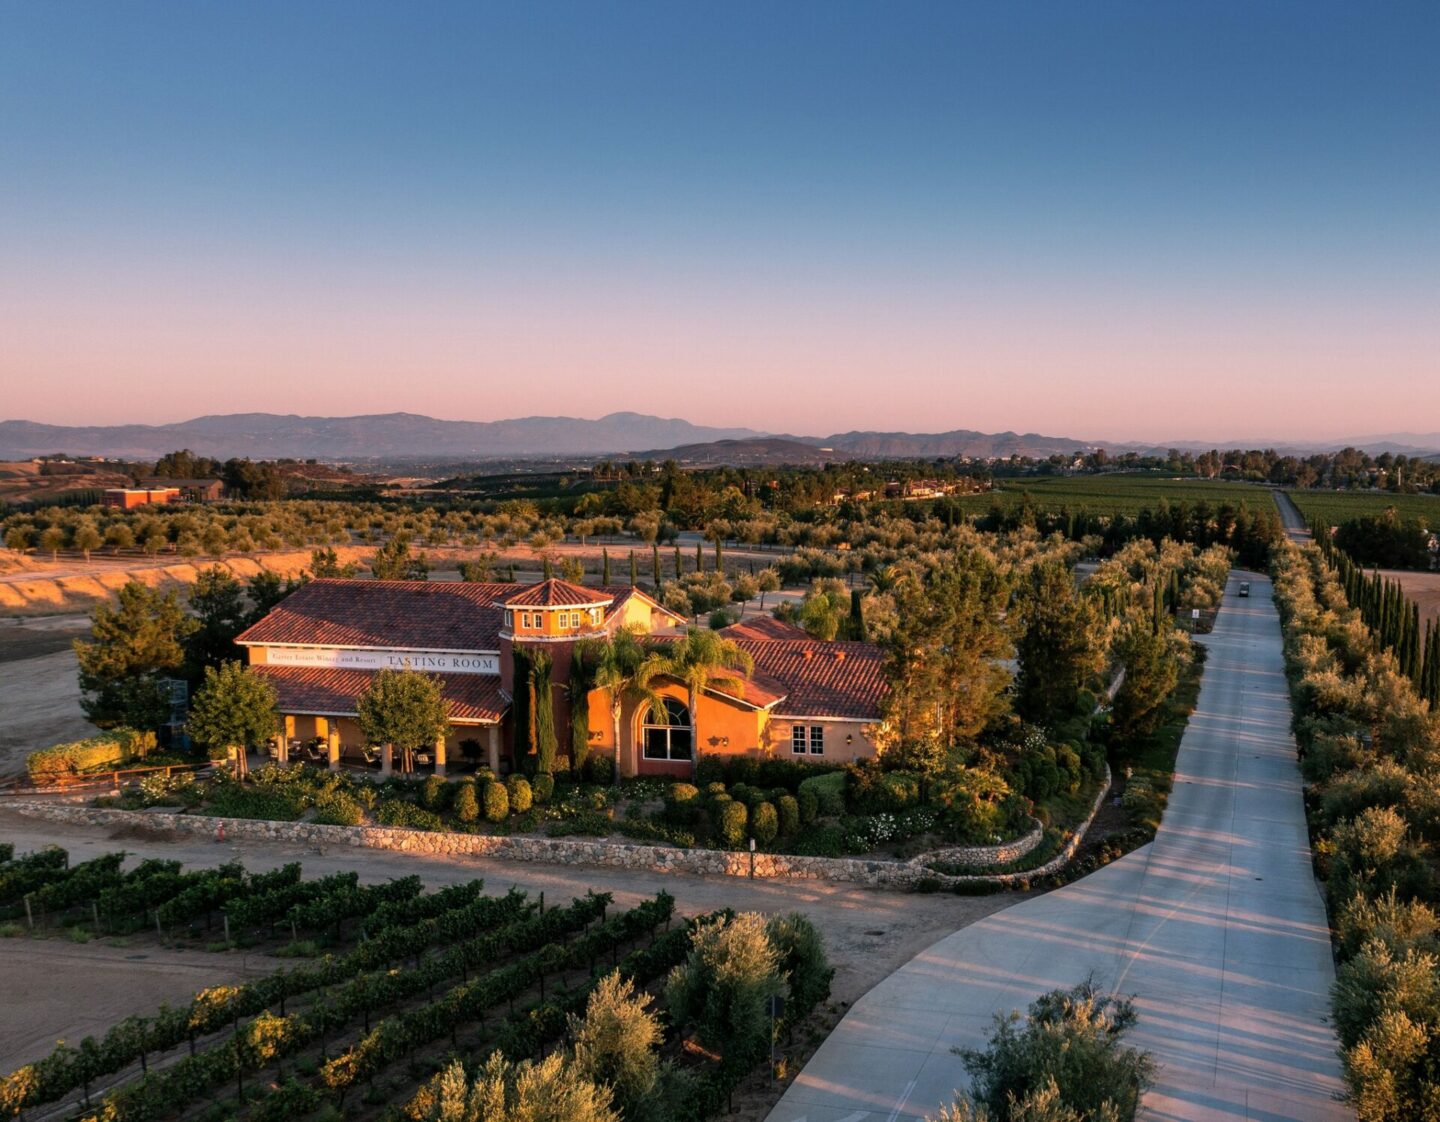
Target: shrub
517 788
338 809
742 793
723 985
396 813
766 823
504 1091
789 811
829 791
1068 1055
467 806
732 824
497 802
435 793
97 753
616 1040
1373 855
713 789
542 788
809 805
801 951
599 769
1381 784
682 793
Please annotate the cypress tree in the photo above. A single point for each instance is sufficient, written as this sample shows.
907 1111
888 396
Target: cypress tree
547 570
1159 608
857 616
634 570
719 557
604 566
700 556
679 566
521 724
655 563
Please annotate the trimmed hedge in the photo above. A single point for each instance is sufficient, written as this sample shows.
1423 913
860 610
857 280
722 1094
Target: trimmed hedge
829 792
98 753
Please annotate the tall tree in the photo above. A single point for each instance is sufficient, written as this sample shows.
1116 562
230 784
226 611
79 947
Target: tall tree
604 566
543 698
394 561
1059 646
234 712
405 709
700 660
944 660
857 616
1151 674
133 645
634 570
217 601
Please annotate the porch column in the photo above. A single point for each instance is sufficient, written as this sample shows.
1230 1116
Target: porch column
494 748
282 757
387 760
440 756
333 745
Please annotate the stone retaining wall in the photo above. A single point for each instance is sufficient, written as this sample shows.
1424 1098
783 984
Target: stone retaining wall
558 851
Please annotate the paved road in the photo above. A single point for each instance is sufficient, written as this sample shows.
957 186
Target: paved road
1216 927
1291 518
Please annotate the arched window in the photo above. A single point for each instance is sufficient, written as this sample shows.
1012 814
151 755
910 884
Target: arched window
670 740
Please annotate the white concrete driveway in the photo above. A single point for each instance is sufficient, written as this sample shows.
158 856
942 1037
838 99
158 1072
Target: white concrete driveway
1216 927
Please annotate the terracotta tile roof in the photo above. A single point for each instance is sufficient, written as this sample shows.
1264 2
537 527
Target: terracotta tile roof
766 628
554 593
622 593
761 690
304 689
415 615
821 679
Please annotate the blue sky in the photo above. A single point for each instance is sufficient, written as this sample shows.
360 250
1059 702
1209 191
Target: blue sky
1043 216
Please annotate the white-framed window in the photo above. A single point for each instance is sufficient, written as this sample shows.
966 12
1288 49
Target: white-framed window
671 740
509 618
817 740
525 620
797 739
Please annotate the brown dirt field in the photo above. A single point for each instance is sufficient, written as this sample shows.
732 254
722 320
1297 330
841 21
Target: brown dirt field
1423 588
35 585
58 990
39 691
868 932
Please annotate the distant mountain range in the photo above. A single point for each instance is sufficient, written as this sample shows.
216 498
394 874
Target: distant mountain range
408 435
380 436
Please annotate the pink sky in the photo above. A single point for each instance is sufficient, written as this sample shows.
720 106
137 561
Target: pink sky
769 354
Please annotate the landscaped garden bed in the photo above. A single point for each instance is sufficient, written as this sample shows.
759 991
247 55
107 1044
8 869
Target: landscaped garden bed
784 808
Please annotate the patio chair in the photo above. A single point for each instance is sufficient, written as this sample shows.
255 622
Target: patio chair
422 758
372 755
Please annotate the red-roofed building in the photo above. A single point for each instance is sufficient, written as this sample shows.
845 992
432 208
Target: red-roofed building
322 646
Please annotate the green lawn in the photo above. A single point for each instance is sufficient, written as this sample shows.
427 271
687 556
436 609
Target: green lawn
1121 493
1335 507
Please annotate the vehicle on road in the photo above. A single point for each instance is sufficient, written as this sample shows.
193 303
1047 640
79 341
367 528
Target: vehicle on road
1244 588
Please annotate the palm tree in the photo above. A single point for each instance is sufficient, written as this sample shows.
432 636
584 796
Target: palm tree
699 660
622 667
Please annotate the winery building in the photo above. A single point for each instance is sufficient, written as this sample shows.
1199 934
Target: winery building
322 646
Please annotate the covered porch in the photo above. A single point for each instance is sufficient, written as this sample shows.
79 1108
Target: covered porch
319 724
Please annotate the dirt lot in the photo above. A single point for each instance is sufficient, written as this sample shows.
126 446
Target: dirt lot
1423 588
39 693
58 990
869 932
